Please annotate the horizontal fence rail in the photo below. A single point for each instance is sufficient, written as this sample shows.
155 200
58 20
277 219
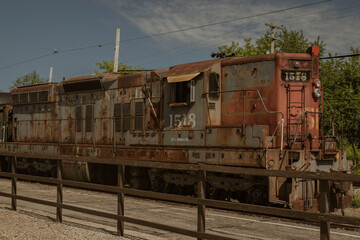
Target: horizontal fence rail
324 218
319 175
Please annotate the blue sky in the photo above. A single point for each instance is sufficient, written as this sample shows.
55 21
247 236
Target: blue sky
31 29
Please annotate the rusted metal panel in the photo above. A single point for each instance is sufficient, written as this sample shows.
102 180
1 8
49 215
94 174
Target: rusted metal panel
33 88
132 80
34 94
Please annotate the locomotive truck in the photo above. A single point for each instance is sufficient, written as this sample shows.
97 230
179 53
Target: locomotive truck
258 112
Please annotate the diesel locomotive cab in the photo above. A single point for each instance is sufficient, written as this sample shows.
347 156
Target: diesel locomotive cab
306 148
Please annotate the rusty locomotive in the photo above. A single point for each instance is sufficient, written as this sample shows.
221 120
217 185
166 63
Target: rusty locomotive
260 112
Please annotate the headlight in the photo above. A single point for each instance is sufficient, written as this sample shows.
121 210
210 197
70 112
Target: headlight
317 92
318 83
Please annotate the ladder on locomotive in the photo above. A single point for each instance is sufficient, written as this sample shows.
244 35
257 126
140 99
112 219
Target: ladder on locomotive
295 116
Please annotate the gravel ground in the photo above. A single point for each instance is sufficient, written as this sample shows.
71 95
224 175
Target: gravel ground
34 221
32 224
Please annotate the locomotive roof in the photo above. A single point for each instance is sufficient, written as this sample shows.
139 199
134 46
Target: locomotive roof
138 79
35 87
104 76
191 68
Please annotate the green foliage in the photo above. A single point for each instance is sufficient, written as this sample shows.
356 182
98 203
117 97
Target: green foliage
108 67
294 41
341 83
248 50
28 79
356 201
352 153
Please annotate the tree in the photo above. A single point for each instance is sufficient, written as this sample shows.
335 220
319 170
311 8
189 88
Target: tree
108 67
28 79
341 83
293 41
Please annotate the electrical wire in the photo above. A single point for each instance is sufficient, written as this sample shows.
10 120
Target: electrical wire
26 61
225 21
342 56
86 47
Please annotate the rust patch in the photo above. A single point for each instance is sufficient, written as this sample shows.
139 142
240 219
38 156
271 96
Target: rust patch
190 68
132 80
38 87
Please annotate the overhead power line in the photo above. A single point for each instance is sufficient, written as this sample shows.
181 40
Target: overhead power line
342 56
85 47
25 61
225 21
54 51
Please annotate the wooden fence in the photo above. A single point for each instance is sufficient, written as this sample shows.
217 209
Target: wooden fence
324 218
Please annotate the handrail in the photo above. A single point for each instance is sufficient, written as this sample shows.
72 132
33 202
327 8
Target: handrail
3 133
333 123
299 122
272 136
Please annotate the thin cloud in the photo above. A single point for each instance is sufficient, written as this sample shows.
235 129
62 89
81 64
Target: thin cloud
153 17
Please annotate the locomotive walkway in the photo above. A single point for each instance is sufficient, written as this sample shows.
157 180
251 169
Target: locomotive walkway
231 224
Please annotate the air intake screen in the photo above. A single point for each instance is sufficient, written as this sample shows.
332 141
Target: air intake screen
82 86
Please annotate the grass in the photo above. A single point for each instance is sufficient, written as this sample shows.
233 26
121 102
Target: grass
356 201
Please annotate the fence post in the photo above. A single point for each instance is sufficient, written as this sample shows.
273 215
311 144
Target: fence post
120 200
13 183
59 192
201 207
324 208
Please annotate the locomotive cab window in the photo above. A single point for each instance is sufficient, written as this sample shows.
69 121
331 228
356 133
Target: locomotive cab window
182 89
214 86
180 92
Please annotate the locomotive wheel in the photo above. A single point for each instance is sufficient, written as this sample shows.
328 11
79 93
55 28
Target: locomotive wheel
135 183
241 196
209 191
173 189
53 172
137 171
139 183
220 194
257 195
158 184
31 170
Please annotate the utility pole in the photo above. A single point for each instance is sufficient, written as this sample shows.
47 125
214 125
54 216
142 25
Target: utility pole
272 36
116 55
50 74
